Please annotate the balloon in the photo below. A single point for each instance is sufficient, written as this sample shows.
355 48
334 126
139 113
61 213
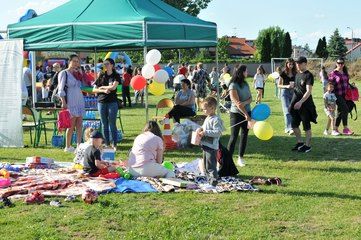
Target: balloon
169 70
26 54
157 67
263 130
153 57
138 82
168 165
161 76
261 112
156 88
148 71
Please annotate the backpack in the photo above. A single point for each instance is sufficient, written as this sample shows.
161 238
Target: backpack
351 105
225 159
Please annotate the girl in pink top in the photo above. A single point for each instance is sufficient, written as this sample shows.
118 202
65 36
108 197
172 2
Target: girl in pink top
146 156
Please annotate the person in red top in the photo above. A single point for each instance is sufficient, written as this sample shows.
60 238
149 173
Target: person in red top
182 69
127 76
88 76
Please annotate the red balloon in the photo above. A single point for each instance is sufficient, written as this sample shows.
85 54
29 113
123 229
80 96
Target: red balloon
138 82
26 54
157 67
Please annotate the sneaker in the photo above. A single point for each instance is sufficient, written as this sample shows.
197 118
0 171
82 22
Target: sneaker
291 132
347 131
241 162
55 203
297 146
335 133
69 149
326 132
304 149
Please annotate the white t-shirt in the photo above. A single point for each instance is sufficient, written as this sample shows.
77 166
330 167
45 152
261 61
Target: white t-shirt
259 80
80 154
27 80
44 92
330 99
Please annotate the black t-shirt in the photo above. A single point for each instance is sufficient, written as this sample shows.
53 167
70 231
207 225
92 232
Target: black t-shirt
287 79
90 155
301 80
106 80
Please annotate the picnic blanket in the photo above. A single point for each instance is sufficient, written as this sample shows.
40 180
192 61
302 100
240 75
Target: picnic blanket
129 186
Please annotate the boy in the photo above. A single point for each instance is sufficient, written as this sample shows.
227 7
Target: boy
330 107
302 107
93 165
210 132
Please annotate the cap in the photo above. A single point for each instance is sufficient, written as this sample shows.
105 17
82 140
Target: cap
301 60
96 134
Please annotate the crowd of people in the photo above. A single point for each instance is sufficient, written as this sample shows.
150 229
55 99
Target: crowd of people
194 90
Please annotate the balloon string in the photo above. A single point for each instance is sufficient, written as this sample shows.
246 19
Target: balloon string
238 123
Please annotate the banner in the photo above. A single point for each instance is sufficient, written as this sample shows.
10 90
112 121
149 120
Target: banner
11 74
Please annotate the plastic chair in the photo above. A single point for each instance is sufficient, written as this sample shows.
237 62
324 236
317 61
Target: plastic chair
33 122
164 103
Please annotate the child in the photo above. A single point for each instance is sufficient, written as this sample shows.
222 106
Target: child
258 82
210 132
330 107
45 90
127 76
93 165
277 79
80 150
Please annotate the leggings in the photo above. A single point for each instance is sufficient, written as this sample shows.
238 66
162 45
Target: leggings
342 111
234 119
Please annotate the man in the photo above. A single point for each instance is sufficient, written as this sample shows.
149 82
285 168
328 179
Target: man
302 107
27 77
54 80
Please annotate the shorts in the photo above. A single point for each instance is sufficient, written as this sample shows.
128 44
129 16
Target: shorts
330 113
297 118
259 88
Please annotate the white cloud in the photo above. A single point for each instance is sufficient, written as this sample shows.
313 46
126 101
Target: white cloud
39 6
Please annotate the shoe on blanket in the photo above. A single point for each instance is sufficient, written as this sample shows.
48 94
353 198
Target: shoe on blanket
55 203
35 197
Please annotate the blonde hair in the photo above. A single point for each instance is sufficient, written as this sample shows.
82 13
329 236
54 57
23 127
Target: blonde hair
210 102
87 133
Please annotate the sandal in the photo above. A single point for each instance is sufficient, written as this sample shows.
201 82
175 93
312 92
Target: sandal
259 181
275 180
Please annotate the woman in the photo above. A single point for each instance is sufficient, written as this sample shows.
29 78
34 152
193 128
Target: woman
340 80
241 98
222 79
70 81
106 88
184 102
286 84
324 78
146 156
201 81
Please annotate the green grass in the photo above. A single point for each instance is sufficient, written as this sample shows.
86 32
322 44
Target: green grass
320 199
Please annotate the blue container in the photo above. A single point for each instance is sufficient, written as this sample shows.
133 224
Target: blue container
57 141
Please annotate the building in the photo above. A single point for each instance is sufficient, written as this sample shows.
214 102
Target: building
349 42
354 53
241 48
298 51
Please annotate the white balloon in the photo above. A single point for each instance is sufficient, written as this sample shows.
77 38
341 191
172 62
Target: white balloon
153 57
177 79
148 71
161 76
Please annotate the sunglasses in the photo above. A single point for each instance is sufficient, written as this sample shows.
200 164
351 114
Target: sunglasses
340 62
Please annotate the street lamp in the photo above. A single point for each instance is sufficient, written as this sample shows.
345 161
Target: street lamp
351 42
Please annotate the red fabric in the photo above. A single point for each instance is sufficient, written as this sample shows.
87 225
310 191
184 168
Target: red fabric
111 175
183 70
102 171
64 120
89 78
126 79
352 94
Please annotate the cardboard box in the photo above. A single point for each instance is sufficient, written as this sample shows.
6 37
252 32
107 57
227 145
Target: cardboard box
108 155
195 140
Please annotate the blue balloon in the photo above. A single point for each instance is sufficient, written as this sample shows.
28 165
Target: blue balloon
261 112
169 70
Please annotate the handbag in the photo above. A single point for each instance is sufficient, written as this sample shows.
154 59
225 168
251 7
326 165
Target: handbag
64 120
352 93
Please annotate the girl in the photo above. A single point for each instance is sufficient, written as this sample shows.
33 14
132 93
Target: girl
258 82
330 108
80 151
324 78
45 90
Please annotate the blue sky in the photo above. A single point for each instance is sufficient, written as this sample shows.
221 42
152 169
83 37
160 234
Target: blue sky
306 20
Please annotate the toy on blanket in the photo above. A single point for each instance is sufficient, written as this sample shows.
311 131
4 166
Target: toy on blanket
4 178
89 196
39 162
123 174
168 165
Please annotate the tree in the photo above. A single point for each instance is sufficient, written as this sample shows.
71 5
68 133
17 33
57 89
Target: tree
287 47
336 45
223 44
321 49
192 7
271 50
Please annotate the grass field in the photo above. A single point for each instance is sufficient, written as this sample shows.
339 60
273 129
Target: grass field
320 199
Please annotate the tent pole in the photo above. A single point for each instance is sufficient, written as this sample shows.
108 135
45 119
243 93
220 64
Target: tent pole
33 77
95 64
217 83
146 89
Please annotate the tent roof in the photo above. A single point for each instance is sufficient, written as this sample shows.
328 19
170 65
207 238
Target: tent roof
114 24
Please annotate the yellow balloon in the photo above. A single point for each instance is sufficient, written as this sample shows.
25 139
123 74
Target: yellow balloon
263 130
156 88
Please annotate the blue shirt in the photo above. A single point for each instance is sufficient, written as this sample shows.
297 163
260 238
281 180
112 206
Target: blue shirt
244 93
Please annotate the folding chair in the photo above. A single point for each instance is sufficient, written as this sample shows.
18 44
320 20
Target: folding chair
163 103
34 122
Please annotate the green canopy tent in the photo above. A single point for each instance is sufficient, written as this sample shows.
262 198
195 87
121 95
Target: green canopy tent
101 25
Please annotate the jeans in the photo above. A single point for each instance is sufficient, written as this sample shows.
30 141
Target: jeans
108 116
286 97
234 119
210 163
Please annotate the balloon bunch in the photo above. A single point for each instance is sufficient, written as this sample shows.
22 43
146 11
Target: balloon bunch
262 129
151 70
